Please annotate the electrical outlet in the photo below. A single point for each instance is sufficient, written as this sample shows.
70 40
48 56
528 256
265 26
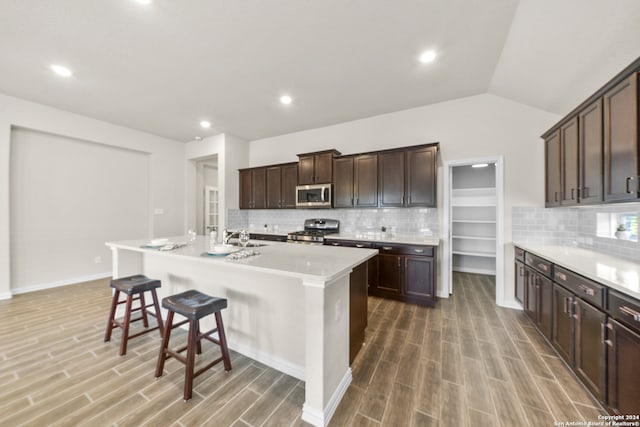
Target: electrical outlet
97 259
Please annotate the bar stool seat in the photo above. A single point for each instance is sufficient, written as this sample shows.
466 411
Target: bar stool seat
134 287
193 305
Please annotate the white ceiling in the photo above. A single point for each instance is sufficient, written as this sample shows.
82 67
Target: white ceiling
164 67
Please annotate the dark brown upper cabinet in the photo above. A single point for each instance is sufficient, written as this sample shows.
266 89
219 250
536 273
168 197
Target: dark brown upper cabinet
552 166
316 168
253 188
355 181
621 141
591 153
281 186
569 155
408 177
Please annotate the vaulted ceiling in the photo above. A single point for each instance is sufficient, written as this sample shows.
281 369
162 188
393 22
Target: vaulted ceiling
164 67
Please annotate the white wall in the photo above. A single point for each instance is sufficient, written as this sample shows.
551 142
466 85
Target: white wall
165 178
473 127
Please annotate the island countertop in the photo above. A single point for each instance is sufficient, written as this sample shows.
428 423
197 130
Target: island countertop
307 262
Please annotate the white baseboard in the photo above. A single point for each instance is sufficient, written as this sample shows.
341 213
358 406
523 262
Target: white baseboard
511 304
277 363
5 295
474 270
322 418
442 293
57 283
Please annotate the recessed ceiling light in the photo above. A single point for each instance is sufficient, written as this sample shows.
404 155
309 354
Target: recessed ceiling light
427 56
480 165
61 71
205 124
286 99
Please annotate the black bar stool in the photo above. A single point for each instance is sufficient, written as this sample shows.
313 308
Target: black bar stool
135 288
193 305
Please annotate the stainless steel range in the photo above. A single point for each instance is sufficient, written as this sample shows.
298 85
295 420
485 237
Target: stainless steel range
314 231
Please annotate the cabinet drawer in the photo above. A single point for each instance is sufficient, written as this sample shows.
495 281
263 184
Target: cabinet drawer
519 253
542 265
349 243
582 287
417 250
625 309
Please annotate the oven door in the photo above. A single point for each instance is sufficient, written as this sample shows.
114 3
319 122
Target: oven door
313 196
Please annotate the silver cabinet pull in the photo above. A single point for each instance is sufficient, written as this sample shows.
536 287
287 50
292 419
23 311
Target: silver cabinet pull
602 328
628 181
587 290
573 190
609 342
335 244
419 250
387 248
631 312
562 276
542 267
358 245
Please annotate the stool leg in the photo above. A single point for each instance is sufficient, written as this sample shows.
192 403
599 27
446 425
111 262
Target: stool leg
156 307
143 309
112 314
165 342
125 328
198 340
223 342
191 356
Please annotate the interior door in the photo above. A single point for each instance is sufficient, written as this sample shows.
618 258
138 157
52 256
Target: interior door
210 209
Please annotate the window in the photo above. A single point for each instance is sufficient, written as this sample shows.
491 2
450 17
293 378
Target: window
623 226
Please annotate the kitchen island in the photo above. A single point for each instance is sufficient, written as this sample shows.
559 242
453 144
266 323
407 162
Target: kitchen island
288 306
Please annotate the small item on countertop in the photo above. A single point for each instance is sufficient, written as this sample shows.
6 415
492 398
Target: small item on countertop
213 237
221 249
171 246
245 253
159 242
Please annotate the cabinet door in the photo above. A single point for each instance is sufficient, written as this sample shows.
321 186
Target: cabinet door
305 170
365 182
589 346
259 184
562 331
545 295
343 182
289 182
621 141
591 153
418 276
622 369
421 177
391 179
552 170
245 189
521 277
389 273
274 187
531 295
569 162
323 168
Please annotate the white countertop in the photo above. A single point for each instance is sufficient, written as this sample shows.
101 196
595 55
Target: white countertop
408 239
309 262
616 273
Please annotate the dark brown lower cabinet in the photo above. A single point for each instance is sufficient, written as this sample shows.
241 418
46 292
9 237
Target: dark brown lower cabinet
623 373
389 274
357 309
418 273
521 277
562 334
538 297
589 357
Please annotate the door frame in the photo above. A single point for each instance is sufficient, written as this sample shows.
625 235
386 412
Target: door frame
447 265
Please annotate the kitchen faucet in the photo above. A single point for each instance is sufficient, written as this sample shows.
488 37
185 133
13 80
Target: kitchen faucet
227 235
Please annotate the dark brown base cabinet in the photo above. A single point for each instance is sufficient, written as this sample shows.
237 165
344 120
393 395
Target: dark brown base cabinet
601 343
520 275
402 272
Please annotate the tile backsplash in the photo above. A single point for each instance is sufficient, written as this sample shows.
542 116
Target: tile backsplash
403 220
572 227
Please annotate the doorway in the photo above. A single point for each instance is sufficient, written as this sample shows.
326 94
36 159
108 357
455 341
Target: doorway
474 221
207 200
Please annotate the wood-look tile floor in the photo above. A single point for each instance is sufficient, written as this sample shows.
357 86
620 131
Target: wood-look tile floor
465 362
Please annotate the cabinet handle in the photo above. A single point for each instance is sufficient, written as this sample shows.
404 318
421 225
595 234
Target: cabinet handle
352 201
335 243
630 312
521 271
542 267
576 310
556 197
402 200
602 328
358 245
387 248
573 190
629 179
419 250
562 276
587 290
565 305
398 261
609 342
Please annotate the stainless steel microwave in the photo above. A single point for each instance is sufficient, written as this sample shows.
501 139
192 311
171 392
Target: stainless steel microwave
313 196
